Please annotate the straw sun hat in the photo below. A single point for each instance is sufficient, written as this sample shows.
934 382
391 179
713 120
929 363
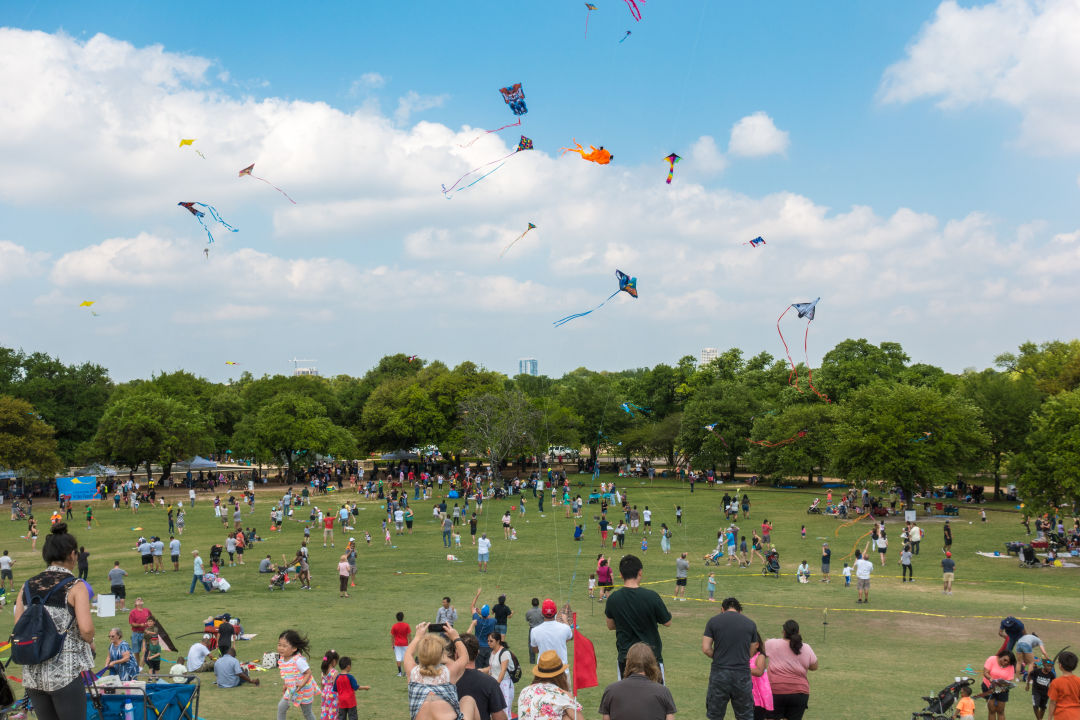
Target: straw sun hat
549 665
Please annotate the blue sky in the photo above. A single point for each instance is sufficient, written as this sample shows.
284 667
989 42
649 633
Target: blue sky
914 164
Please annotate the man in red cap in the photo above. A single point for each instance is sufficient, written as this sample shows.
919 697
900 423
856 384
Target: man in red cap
553 633
948 570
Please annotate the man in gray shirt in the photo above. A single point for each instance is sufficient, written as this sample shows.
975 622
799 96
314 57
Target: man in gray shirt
447 528
116 583
682 568
229 673
446 614
534 617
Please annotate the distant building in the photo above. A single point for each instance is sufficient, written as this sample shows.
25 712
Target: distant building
708 355
528 366
301 370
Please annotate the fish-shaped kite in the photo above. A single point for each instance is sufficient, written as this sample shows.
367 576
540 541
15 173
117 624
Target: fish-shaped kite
523 144
589 7
755 242
199 215
512 242
805 310
248 171
672 159
598 155
627 285
188 141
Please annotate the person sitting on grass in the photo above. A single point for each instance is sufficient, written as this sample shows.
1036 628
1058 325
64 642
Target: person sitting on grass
802 574
230 673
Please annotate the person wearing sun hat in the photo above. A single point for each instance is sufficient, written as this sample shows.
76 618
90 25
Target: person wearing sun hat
548 696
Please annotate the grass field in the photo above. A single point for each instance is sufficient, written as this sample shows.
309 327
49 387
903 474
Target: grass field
876 661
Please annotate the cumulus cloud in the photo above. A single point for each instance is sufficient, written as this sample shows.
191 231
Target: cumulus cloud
17 261
707 157
1021 53
369 81
413 102
756 135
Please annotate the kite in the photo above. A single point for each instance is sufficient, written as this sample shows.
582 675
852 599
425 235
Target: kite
599 155
589 7
923 438
199 214
634 9
627 408
755 242
412 357
627 284
672 159
514 96
230 362
712 429
779 443
188 141
87 303
625 36
524 144
531 227
248 171
805 310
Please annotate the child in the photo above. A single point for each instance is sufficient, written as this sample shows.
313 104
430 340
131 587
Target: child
152 649
644 545
744 560
1038 682
678 515
1065 689
367 537
711 585
578 531
982 514
513 533
386 535
307 532
965 706
299 687
457 539
346 687
803 532
329 669
847 575
592 585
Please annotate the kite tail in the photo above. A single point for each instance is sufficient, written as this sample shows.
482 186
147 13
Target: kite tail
199 217
487 132
809 371
214 214
794 372
447 190
276 188
514 241
562 321
587 13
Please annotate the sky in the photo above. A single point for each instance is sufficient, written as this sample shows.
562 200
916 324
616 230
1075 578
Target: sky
915 165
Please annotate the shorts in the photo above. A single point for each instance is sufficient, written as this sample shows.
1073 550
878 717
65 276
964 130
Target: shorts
1001 697
1023 647
482 557
947 577
862 584
175 558
648 523
1039 701
348 713
147 559
239 550
119 591
399 652
154 665
607 585
6 574
680 582
824 568
603 535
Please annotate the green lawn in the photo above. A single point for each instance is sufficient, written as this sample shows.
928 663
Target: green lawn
876 661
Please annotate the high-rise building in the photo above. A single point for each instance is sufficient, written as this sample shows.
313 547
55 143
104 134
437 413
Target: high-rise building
528 366
708 355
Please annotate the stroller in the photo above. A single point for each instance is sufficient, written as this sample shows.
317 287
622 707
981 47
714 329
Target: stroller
279 578
17 511
814 509
772 564
938 706
1027 556
713 558
215 553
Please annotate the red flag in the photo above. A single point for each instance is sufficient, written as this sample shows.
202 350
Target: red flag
584 661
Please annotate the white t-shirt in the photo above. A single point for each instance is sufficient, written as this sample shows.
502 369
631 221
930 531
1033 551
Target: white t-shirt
646 515
399 516
863 568
174 547
551 635
196 655
191 493
916 533
5 562
847 571
483 546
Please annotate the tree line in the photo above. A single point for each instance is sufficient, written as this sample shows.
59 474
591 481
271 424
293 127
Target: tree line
885 419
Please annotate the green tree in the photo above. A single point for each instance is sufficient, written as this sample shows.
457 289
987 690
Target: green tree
593 397
1055 365
877 436
27 443
1006 402
729 405
855 363
1047 469
809 454
498 425
292 429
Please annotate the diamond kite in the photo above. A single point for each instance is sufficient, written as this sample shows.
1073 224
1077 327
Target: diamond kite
248 171
598 155
627 284
672 159
512 242
712 428
805 310
199 215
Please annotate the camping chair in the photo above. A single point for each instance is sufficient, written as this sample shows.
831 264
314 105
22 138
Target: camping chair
174 701
939 507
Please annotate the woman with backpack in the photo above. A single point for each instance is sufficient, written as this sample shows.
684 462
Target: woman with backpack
63 628
503 667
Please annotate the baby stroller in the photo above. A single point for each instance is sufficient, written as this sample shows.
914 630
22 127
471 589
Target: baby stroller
17 511
938 706
215 554
279 578
772 564
814 509
1027 556
713 558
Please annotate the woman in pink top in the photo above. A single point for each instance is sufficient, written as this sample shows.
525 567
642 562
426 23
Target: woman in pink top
789 661
998 672
759 680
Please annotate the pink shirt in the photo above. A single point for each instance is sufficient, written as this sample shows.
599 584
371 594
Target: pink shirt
761 688
787 671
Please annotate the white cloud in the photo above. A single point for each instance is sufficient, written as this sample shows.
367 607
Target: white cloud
756 135
707 157
1021 53
413 102
369 81
17 261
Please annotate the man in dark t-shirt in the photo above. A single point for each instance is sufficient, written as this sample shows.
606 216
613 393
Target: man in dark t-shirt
502 613
730 639
634 613
480 686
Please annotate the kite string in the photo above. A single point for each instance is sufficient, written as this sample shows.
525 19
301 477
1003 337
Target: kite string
809 370
276 188
794 372
481 167
487 132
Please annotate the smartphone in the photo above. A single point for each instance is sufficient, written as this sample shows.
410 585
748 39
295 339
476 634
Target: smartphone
436 627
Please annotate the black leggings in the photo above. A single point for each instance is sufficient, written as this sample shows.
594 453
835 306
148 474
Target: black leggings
907 571
789 706
67 703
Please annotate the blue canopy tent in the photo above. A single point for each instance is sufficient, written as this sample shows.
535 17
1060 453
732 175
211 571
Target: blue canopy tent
400 455
198 463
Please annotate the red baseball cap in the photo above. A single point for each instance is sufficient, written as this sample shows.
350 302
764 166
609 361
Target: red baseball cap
548 608
948 554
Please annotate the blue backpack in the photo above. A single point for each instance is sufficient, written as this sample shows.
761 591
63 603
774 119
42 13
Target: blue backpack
35 639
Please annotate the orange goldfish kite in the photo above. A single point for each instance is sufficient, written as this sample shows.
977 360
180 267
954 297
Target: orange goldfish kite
598 155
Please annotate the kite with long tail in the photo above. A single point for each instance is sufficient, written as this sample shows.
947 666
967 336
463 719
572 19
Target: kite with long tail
514 97
524 144
512 242
625 36
805 310
189 141
629 408
779 443
627 285
248 171
589 7
199 215
634 9
672 159
598 155
712 429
